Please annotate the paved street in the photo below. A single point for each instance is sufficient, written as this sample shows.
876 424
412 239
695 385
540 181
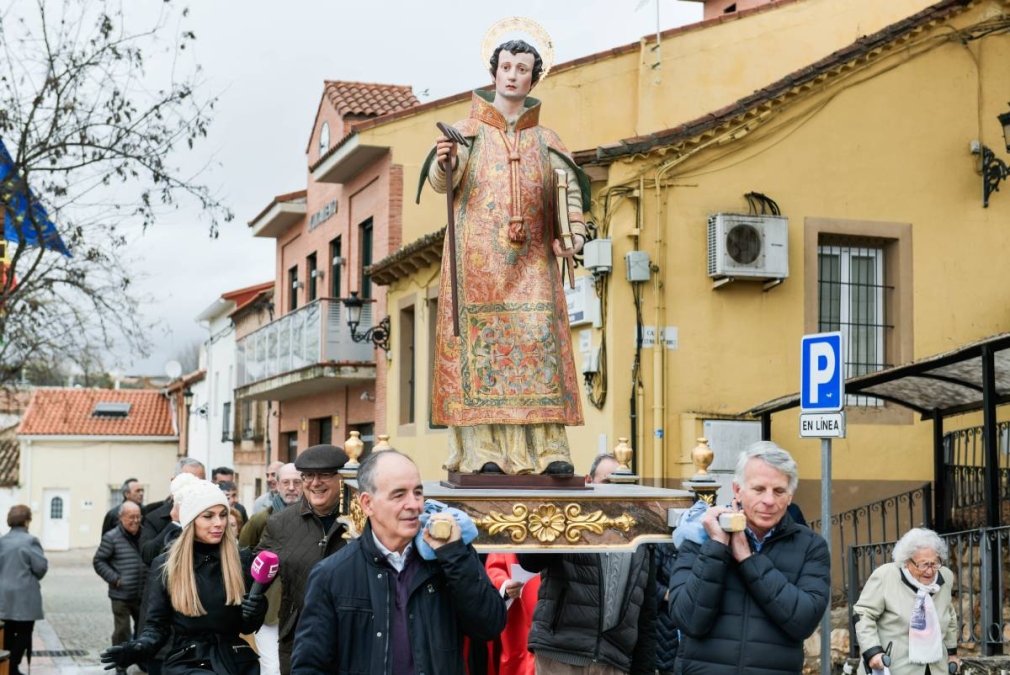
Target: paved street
78 617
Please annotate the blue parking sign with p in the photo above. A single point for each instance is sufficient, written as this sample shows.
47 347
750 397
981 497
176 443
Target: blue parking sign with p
822 385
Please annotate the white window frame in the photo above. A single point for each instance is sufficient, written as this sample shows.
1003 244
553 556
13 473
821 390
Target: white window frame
845 255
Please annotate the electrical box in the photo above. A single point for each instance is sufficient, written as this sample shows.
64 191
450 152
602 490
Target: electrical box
583 304
638 265
591 361
598 256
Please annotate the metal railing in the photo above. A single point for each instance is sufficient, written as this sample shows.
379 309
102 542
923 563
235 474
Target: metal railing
979 560
964 474
876 521
315 333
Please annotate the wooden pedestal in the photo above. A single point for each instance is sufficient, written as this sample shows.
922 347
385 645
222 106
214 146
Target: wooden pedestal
517 519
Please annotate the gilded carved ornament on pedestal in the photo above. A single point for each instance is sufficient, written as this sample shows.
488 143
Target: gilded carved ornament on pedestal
547 522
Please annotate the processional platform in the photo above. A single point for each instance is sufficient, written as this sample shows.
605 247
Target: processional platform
593 518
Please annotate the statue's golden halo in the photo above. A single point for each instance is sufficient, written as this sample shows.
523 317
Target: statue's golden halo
538 37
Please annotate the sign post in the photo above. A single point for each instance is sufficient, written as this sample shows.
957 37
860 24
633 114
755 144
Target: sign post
822 415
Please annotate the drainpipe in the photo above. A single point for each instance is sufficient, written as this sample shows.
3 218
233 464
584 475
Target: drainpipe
659 350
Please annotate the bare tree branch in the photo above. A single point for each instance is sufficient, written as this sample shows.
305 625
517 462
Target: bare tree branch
94 138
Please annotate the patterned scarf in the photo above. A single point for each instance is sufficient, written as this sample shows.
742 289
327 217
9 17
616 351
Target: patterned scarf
925 640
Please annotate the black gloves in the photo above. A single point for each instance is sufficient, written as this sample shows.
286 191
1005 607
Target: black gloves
123 655
254 607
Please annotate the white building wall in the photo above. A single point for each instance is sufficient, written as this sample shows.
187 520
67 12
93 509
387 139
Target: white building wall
220 350
88 470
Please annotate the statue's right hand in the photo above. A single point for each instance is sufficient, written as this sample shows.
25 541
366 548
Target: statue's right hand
445 150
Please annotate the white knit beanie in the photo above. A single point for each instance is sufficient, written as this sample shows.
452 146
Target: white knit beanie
181 481
195 497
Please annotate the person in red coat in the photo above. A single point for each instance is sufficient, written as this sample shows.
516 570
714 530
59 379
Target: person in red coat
508 654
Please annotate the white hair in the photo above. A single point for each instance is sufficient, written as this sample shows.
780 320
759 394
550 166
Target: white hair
774 456
917 539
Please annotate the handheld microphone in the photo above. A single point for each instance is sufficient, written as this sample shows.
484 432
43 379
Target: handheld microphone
264 571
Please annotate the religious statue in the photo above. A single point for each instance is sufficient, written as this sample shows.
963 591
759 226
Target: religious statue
504 374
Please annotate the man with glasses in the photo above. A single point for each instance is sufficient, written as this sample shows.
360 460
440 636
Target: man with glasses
118 562
303 535
289 491
745 600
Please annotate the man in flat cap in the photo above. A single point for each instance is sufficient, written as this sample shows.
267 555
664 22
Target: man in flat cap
303 534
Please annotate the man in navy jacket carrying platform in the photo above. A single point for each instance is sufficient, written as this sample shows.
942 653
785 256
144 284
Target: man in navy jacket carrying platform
745 601
377 607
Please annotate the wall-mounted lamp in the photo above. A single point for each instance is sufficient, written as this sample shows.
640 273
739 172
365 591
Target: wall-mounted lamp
994 169
316 274
297 284
378 334
187 397
365 396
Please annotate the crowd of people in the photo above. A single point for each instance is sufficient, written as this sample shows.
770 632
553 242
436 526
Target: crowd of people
397 599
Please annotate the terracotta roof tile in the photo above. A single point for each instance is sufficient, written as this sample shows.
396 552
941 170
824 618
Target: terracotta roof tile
68 412
368 99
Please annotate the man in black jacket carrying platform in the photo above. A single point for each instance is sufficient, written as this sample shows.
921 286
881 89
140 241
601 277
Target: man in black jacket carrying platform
596 612
378 607
746 600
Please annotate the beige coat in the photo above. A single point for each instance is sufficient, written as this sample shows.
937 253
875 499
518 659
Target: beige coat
884 609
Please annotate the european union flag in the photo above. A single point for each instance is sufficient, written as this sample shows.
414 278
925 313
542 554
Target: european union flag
21 208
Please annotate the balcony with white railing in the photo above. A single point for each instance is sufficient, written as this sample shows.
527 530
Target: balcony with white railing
304 352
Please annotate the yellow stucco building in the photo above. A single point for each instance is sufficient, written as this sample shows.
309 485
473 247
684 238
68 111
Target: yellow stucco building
865 151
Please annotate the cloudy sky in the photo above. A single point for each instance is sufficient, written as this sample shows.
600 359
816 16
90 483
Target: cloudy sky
267 60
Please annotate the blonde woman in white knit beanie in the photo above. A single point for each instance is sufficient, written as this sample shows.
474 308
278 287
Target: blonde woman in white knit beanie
197 595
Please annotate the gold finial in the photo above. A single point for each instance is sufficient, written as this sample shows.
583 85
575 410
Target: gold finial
353 446
702 456
383 443
623 452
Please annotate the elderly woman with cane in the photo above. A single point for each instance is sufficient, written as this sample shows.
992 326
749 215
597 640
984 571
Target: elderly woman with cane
196 595
905 610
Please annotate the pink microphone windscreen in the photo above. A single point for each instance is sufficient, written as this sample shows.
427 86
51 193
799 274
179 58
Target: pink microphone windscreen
264 567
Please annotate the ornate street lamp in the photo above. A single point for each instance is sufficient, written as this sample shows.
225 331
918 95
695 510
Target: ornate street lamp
994 169
378 334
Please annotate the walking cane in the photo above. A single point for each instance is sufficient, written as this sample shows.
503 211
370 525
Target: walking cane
450 228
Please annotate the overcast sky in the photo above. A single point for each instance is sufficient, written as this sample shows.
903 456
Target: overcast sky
267 61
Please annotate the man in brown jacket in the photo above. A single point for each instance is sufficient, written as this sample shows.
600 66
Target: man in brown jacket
303 534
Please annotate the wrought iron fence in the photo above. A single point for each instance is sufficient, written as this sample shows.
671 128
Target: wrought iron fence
876 521
979 560
964 474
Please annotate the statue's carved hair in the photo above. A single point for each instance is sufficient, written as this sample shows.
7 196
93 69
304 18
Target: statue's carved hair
518 47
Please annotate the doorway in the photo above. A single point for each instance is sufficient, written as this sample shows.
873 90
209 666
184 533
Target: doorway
56 519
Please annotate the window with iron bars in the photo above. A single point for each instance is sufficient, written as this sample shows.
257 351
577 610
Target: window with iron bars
852 298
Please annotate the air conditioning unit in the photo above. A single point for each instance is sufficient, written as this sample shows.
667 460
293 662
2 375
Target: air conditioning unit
748 247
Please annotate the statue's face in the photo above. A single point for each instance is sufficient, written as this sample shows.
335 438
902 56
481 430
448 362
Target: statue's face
514 78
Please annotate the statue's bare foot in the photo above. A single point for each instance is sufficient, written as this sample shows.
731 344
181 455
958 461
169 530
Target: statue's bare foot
559 469
491 467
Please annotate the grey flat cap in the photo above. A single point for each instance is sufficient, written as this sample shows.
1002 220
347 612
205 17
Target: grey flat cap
321 458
